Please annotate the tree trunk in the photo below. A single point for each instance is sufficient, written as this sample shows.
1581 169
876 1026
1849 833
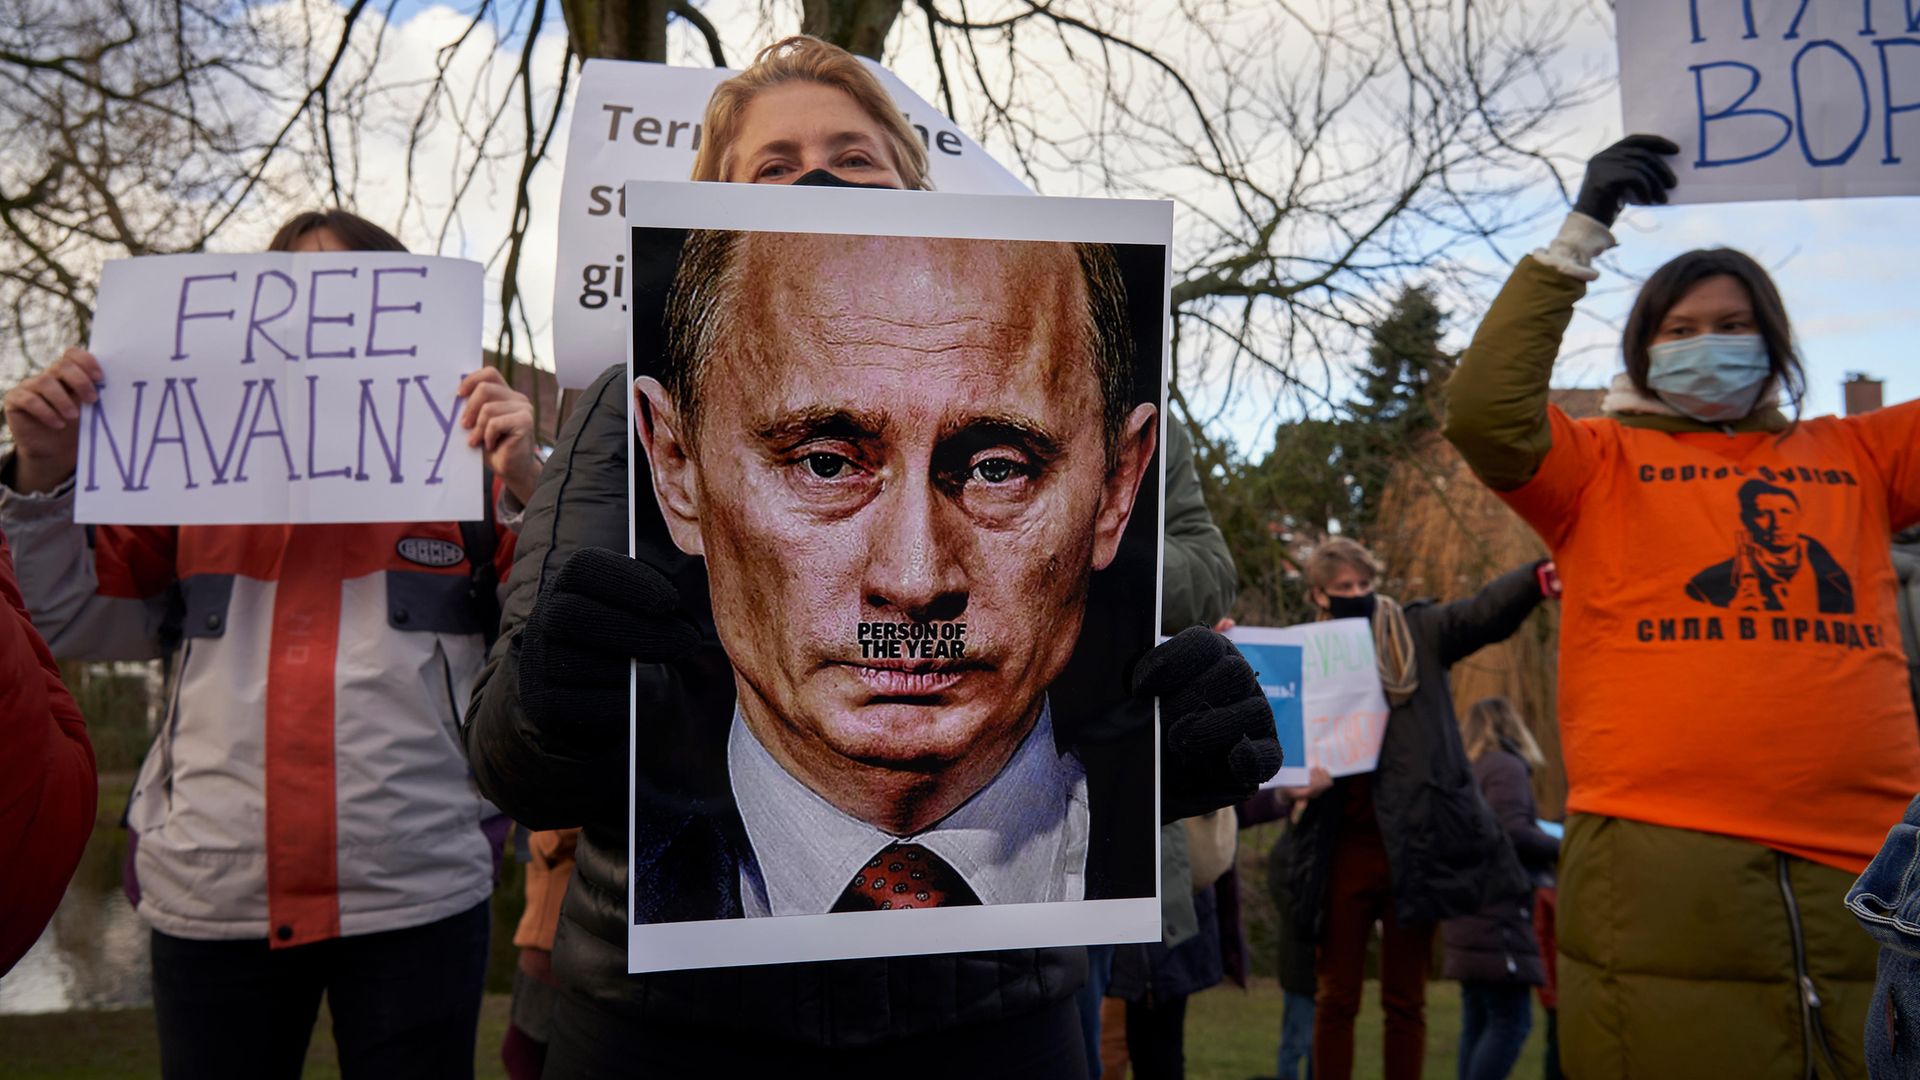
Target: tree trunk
618 29
858 26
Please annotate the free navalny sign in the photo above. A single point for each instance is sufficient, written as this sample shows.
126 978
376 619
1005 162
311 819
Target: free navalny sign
1777 99
282 389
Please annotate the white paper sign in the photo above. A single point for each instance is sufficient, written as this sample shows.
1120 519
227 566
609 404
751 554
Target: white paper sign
1777 99
1342 706
282 389
635 121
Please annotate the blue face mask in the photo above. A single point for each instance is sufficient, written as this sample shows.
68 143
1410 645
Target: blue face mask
1713 378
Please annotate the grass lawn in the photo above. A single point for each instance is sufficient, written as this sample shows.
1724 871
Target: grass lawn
1231 1035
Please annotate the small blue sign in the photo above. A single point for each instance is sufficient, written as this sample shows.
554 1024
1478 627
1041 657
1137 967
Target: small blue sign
1278 669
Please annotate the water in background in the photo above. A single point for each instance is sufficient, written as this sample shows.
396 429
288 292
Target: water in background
93 955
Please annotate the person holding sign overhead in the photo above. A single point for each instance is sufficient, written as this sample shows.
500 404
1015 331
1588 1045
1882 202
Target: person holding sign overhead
1411 842
1734 712
548 726
305 823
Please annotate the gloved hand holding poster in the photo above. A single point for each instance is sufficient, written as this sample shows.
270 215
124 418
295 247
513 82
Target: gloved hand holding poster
914 447
1324 686
1776 100
282 388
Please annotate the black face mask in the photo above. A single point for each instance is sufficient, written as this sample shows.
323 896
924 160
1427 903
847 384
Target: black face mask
1351 607
823 178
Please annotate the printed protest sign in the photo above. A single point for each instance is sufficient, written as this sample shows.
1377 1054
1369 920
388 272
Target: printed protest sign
1276 661
916 447
636 121
282 389
1776 100
1342 708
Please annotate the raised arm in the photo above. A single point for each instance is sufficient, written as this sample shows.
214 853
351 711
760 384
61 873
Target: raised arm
1491 615
1497 400
94 593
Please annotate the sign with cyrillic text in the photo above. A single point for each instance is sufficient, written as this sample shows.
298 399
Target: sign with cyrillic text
635 121
1341 707
1794 99
282 389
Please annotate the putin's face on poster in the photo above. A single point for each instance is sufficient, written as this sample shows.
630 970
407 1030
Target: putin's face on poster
903 459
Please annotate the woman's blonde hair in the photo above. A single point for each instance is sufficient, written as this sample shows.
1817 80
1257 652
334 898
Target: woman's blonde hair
1494 721
805 58
1334 553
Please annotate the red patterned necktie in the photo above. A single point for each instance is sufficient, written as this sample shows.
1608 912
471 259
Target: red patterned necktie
905 876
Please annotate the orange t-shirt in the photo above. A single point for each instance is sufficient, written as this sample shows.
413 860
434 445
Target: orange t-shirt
1730 656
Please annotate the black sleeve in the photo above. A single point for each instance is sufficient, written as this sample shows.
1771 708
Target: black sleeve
580 501
1504 783
1464 627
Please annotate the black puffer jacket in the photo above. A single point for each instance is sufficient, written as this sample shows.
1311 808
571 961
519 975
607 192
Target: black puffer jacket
1446 853
1497 943
544 782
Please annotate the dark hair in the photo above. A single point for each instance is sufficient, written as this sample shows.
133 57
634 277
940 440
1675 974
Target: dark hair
1672 282
707 282
356 232
1751 491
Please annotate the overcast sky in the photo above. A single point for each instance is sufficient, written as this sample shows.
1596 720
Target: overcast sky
1845 267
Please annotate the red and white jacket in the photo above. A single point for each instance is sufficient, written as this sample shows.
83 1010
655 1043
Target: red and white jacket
308 781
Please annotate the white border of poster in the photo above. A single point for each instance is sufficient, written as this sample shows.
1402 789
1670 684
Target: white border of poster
847 935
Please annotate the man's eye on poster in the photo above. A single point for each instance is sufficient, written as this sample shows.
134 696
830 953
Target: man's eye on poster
909 484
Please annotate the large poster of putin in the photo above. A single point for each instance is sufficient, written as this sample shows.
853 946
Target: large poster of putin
899 453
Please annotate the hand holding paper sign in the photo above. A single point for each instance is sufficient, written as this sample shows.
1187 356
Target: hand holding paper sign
1629 171
43 413
500 420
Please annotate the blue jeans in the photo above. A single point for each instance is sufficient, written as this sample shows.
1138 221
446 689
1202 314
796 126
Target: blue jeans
1494 1020
1296 1037
1886 900
1099 974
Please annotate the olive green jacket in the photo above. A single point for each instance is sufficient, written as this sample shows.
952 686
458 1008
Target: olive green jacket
1200 581
1497 400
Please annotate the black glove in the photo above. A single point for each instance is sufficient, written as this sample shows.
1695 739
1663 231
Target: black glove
600 611
1629 171
1217 743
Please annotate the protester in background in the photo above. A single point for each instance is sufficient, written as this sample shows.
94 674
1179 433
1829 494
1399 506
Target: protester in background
547 733
1294 962
305 823
1412 842
549 866
47 783
1493 952
1734 707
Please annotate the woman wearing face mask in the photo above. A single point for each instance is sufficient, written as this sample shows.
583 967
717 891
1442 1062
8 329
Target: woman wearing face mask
547 732
1411 842
1734 712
